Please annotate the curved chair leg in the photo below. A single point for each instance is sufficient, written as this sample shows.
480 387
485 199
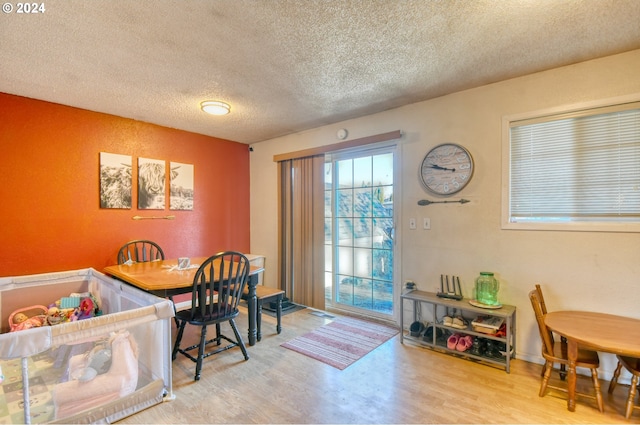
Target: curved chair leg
203 341
545 379
614 378
563 370
176 345
239 339
596 387
632 394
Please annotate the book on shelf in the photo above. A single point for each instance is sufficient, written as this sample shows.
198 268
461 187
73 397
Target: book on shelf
491 322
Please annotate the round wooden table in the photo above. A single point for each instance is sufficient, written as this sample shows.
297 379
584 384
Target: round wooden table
596 331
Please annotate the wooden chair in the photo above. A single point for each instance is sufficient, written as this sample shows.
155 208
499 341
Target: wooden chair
543 307
140 251
555 352
632 364
217 288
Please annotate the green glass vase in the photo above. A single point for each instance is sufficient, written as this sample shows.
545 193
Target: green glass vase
487 287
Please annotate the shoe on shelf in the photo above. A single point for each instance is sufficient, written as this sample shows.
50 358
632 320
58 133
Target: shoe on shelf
477 348
447 320
459 322
428 334
452 342
464 343
416 329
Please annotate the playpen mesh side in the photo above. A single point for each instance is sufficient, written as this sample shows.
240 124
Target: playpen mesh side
35 351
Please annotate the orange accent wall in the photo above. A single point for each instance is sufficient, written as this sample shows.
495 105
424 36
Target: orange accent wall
50 215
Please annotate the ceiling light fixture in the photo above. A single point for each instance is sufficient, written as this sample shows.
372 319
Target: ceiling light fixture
215 108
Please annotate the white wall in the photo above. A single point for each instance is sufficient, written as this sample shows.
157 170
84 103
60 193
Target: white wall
578 270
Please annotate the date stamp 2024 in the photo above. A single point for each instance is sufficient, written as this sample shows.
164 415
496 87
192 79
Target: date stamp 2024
24 8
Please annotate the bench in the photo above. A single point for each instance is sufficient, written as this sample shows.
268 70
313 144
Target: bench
264 293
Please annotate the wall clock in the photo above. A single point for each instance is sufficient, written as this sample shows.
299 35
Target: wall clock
446 169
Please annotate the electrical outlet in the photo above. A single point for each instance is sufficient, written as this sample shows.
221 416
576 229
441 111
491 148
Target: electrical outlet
426 223
412 223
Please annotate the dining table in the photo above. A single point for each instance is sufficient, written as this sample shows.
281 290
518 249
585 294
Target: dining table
165 279
603 332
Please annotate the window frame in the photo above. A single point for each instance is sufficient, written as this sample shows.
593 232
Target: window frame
549 114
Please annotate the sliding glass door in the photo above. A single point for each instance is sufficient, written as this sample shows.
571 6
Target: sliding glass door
359 231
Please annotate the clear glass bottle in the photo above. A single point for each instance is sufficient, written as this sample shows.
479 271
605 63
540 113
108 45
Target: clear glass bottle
487 287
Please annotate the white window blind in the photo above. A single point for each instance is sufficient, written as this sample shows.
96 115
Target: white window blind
576 167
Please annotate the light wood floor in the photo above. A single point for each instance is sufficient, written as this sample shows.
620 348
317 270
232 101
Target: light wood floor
396 383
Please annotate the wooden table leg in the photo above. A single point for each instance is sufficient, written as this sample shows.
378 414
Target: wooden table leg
572 354
252 307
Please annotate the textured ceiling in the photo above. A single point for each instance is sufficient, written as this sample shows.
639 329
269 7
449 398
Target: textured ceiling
290 65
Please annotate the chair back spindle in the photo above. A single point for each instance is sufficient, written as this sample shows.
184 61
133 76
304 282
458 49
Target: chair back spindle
140 251
545 334
543 305
218 286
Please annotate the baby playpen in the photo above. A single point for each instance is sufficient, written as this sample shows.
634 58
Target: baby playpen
97 369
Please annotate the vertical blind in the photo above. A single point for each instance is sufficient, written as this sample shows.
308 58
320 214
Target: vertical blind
581 166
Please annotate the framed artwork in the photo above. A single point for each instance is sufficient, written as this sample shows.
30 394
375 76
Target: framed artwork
151 175
181 186
115 180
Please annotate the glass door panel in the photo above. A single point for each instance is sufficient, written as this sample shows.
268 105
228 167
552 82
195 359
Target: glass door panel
359 233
